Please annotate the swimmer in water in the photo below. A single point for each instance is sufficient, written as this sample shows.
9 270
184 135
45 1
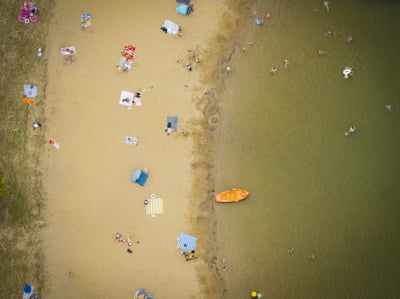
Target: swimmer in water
273 70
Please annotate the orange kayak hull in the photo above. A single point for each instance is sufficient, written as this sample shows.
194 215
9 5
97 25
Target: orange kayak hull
233 195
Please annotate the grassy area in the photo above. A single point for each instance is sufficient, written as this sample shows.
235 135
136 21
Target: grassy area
21 198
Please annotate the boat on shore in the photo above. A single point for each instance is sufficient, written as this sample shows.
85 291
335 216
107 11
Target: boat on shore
232 195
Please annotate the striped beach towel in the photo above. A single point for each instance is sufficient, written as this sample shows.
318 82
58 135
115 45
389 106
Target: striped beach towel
155 206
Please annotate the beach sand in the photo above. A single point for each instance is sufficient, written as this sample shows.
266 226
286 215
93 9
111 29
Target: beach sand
90 195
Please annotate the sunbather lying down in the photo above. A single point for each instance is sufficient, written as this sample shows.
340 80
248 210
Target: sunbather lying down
131 140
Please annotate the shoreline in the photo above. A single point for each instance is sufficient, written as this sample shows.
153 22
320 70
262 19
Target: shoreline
74 122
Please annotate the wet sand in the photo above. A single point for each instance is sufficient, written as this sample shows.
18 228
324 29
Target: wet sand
90 195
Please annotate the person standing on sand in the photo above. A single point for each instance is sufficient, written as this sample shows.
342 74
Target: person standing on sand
36 125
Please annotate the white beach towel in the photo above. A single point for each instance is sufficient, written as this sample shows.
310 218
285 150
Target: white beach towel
126 98
68 50
131 140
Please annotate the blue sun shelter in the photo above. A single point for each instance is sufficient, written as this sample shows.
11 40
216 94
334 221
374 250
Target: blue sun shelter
141 294
186 242
184 9
139 177
172 124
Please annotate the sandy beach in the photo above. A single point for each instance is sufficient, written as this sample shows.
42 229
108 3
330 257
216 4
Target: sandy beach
90 194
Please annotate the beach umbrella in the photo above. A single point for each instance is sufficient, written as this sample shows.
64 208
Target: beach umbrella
186 242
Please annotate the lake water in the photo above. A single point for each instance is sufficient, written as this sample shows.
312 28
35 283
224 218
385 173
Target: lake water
281 136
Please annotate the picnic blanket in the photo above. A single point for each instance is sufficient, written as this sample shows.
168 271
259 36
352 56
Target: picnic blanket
186 242
171 27
154 206
68 51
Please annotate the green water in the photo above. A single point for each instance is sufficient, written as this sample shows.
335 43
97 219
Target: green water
282 137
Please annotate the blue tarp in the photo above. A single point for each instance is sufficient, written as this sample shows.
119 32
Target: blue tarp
184 9
172 123
186 242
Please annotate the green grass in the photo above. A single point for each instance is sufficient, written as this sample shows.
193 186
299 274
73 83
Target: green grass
21 198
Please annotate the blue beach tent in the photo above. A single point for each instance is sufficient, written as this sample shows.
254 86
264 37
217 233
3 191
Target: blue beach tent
139 177
184 9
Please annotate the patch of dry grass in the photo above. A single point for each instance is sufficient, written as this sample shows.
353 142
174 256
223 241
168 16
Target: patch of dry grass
20 207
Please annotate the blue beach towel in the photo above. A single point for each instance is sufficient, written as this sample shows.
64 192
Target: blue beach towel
186 242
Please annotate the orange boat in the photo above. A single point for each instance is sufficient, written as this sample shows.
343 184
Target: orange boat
232 195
